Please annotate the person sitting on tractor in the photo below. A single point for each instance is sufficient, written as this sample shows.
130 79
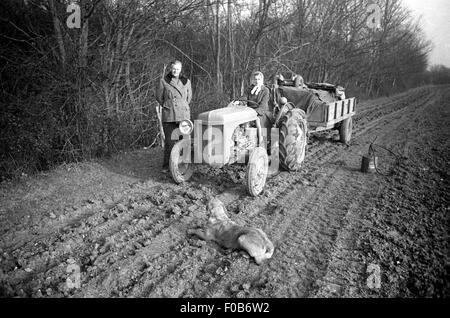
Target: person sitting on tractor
257 97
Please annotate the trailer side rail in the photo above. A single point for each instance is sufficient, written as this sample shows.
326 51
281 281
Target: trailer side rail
335 112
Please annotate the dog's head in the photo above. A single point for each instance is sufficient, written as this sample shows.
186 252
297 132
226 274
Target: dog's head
217 211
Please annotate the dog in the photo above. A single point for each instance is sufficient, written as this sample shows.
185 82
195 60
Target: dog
230 235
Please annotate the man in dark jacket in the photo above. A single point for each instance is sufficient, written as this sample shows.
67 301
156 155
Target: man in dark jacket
174 93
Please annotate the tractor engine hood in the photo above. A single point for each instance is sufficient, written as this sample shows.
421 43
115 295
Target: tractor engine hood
235 114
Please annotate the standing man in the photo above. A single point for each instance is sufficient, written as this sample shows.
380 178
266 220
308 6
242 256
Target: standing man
174 93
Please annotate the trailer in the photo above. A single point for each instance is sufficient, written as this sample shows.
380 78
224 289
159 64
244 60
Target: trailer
324 105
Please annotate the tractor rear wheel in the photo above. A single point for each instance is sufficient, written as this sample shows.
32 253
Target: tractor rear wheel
257 170
293 139
180 164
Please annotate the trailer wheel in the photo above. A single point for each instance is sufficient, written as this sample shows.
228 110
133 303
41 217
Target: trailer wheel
345 130
180 164
293 139
257 170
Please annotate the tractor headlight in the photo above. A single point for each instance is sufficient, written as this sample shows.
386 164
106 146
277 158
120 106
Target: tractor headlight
186 126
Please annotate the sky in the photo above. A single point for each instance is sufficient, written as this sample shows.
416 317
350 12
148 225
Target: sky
435 21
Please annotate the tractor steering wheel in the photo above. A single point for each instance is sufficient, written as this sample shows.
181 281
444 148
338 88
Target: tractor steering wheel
241 101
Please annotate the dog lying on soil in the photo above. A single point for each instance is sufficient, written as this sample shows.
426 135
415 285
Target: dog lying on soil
229 235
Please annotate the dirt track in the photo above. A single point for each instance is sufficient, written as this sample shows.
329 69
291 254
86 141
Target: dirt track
124 223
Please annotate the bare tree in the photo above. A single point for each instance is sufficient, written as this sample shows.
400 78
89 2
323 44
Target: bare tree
218 74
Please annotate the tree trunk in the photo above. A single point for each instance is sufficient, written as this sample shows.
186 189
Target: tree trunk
231 48
128 82
84 43
58 33
218 77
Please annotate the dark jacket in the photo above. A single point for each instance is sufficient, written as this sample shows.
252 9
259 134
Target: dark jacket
174 95
260 101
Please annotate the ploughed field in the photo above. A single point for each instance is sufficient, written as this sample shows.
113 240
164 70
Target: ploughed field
337 232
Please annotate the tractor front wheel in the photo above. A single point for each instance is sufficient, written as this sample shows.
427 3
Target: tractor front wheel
257 170
180 164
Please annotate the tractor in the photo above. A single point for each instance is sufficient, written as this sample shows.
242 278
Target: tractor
233 134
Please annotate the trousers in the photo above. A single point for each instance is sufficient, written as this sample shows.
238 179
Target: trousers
168 128
266 125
